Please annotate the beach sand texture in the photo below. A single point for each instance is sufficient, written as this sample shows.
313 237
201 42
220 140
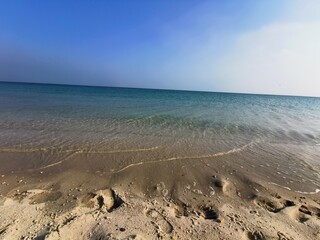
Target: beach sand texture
205 198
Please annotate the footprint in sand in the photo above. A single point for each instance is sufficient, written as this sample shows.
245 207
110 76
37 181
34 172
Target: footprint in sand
160 221
235 189
273 205
303 213
105 199
254 235
311 211
161 190
221 184
224 186
210 213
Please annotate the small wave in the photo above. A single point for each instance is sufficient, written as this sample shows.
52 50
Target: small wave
289 189
50 165
234 150
73 152
315 192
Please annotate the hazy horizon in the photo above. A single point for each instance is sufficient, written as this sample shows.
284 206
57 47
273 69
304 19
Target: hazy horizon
157 89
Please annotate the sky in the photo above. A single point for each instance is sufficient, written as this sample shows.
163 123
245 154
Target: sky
249 46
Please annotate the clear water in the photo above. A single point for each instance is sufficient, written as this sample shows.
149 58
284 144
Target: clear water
182 123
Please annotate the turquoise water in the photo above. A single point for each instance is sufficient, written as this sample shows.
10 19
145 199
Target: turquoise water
40 116
201 114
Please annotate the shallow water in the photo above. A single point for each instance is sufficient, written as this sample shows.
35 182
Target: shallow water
279 134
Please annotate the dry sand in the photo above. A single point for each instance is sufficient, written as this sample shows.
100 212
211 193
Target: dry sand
196 198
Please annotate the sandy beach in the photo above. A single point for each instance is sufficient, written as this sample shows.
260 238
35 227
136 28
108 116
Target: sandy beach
215 197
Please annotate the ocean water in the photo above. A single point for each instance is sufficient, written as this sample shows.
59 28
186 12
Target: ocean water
281 130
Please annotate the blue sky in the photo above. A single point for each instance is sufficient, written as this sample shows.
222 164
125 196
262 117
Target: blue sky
270 46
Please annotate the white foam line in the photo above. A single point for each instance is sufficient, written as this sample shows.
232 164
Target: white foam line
185 158
309 193
51 165
80 151
280 186
56 163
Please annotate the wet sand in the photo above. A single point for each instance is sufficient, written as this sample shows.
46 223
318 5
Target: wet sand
147 193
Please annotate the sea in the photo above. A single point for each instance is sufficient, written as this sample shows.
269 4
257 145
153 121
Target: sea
279 134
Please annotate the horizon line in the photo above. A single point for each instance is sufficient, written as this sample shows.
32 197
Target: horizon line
162 89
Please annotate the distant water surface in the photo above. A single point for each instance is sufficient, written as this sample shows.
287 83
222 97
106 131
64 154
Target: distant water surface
37 117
